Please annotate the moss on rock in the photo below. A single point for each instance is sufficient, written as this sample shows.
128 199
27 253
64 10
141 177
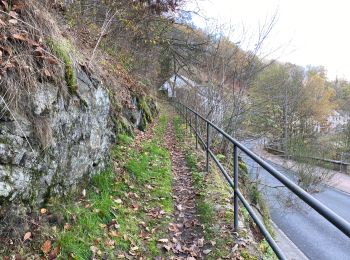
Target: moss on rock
143 106
61 50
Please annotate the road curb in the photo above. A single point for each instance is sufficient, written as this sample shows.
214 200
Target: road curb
291 251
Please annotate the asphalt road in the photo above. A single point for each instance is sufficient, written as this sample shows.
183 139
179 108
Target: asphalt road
310 232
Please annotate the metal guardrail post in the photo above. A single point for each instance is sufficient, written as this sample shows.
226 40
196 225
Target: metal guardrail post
186 118
190 121
235 194
196 127
208 144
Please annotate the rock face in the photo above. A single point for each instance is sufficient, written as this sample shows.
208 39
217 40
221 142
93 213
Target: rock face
63 143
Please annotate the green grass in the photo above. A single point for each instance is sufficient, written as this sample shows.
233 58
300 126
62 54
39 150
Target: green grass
211 190
142 183
61 50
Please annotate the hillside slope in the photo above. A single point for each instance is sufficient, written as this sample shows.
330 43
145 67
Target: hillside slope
60 112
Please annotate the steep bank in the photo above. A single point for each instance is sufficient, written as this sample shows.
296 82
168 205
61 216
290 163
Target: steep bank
59 114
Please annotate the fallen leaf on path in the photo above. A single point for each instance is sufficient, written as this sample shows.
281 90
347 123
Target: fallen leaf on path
234 248
118 201
113 233
207 251
54 253
163 240
13 21
201 242
172 227
13 14
67 226
167 248
27 236
179 207
46 247
134 248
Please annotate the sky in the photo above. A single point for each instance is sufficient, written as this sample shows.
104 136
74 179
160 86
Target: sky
305 32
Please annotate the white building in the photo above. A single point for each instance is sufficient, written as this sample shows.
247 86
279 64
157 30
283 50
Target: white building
335 121
176 82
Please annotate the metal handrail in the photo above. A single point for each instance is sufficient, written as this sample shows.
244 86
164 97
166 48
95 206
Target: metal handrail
319 207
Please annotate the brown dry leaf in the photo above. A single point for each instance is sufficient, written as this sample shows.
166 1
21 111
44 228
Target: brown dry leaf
19 37
7 50
201 242
13 14
2 23
54 253
46 247
118 201
18 6
43 211
135 206
39 51
149 187
93 249
207 251
33 43
13 21
163 240
179 207
113 233
167 248
9 65
172 227
134 248
67 226
110 242
51 61
47 73
5 4
27 236
132 253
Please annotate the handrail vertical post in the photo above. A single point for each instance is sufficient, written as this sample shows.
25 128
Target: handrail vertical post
235 196
186 117
196 127
208 144
190 121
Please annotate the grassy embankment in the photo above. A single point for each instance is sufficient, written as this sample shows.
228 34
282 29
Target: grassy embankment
126 209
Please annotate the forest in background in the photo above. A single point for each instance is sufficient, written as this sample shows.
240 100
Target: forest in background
242 91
